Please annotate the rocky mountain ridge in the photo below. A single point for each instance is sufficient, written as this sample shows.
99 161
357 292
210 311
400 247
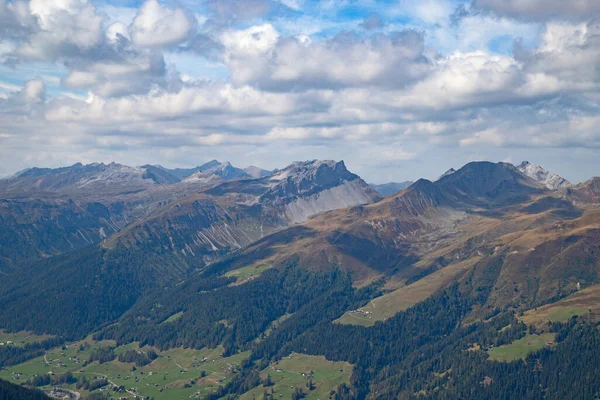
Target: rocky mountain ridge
549 179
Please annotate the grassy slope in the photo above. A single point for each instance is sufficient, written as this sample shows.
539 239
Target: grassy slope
287 375
520 348
173 317
388 305
20 339
585 302
247 273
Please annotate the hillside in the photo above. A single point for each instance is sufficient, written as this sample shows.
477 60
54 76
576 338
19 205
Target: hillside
102 281
45 212
431 284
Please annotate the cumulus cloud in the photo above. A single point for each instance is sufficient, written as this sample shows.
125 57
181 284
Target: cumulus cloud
16 20
569 52
128 73
68 27
158 26
34 91
25 103
542 10
259 56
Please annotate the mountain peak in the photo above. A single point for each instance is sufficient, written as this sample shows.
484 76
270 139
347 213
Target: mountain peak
321 172
209 165
549 179
485 183
212 170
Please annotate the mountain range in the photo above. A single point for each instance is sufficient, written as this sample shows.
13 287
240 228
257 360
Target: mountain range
115 251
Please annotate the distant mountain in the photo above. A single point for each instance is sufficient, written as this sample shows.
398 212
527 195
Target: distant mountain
257 172
391 235
159 175
47 211
232 214
79 177
201 173
387 189
189 233
549 179
488 184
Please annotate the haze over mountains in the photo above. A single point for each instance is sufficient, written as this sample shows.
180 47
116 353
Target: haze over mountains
102 245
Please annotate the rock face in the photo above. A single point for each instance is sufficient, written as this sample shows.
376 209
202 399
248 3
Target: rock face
549 179
388 189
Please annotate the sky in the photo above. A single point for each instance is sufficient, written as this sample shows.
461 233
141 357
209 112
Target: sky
398 89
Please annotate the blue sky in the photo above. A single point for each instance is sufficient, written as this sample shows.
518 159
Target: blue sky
399 89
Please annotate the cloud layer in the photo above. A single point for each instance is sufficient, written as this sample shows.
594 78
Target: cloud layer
265 82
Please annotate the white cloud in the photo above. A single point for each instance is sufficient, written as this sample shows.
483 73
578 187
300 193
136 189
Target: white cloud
158 26
259 56
569 52
35 90
72 26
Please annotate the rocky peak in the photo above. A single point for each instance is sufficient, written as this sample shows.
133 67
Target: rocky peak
217 171
306 177
209 165
487 183
549 179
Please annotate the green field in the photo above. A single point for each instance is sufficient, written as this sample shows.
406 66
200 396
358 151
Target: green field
175 374
173 317
21 338
296 370
246 273
520 348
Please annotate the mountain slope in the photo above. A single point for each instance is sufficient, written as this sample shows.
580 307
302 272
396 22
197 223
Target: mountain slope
45 212
485 212
234 214
174 241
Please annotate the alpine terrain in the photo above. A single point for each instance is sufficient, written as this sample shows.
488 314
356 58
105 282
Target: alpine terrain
303 282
